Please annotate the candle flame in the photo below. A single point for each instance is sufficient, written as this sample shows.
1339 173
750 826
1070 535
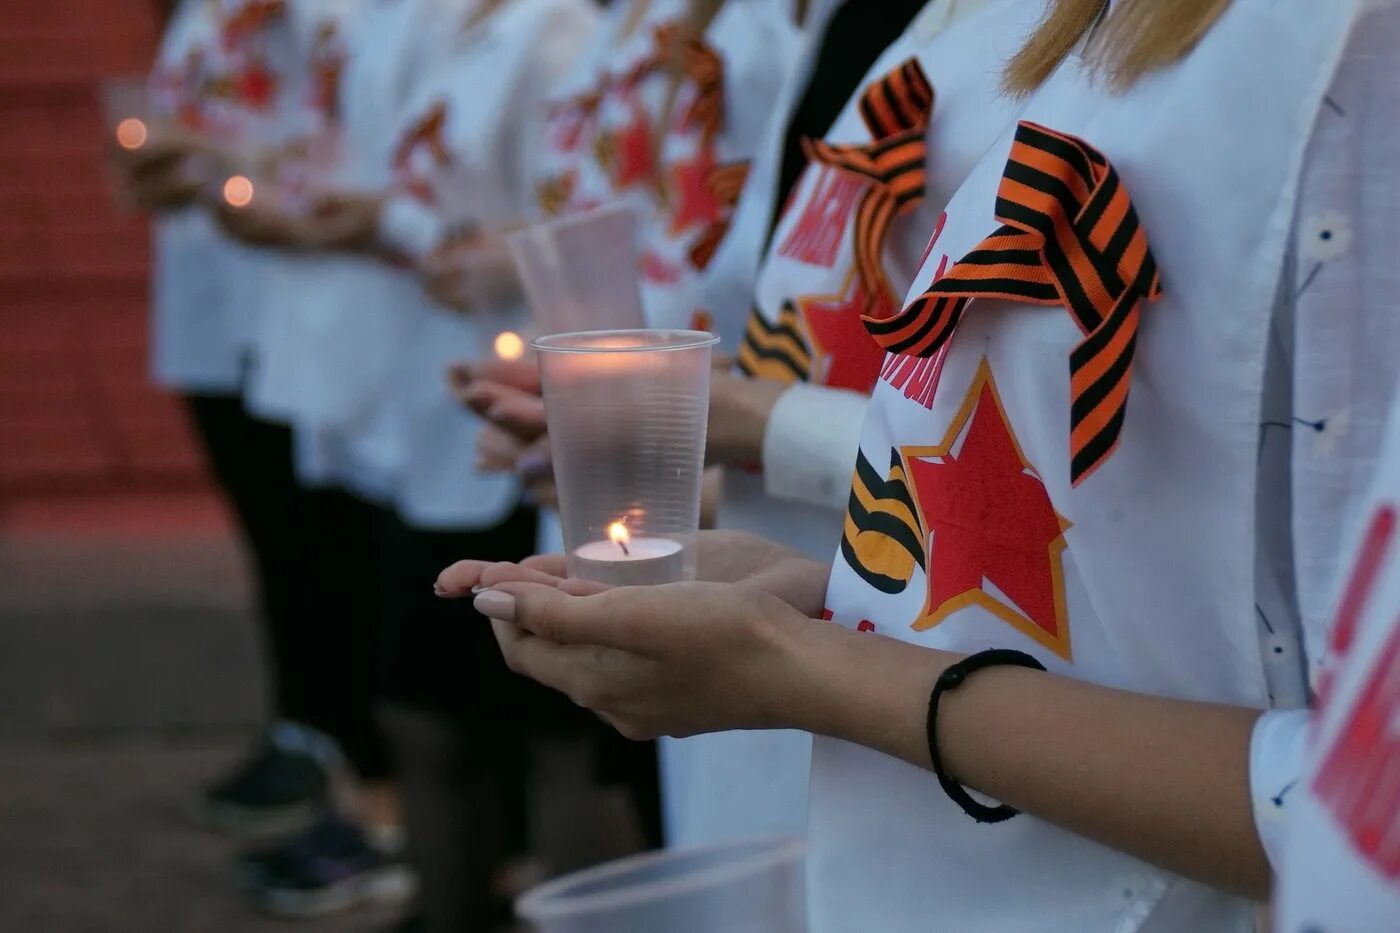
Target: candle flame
509 346
620 535
131 133
238 191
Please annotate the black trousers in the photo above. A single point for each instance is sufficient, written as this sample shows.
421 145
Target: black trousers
313 554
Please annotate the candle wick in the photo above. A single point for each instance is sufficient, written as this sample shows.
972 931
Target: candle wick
623 544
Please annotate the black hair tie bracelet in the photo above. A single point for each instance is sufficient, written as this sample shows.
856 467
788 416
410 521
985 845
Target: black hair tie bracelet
951 679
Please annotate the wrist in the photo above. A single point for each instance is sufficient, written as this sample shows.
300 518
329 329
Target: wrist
861 687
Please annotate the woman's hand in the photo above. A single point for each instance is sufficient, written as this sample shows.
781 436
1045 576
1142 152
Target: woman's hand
739 410
672 660
344 221
263 222
722 557
469 269
158 176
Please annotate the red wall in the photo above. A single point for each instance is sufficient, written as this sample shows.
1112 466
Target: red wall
76 411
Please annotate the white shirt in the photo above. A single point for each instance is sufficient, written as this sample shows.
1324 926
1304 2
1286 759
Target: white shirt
1340 868
985 522
194 347
480 100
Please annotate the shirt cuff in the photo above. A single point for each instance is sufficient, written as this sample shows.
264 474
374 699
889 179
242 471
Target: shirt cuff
810 444
1275 766
408 227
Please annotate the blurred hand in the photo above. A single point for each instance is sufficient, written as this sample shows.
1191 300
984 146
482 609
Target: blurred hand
343 221
158 176
739 410
468 270
263 222
444 273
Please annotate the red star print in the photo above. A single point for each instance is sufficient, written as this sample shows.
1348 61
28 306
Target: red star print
632 150
993 537
696 204
848 358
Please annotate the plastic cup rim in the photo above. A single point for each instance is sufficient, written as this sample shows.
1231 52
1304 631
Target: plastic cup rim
566 221
543 902
670 340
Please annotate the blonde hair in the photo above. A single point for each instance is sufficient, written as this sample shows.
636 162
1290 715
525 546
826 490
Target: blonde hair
1135 38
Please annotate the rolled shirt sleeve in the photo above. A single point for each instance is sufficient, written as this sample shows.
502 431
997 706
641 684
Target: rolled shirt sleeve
809 446
1275 767
409 227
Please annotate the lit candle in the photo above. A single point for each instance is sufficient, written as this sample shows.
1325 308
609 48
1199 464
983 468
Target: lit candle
509 346
131 134
238 191
623 560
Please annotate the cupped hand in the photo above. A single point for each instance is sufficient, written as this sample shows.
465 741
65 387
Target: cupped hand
722 557
679 659
514 410
263 222
344 220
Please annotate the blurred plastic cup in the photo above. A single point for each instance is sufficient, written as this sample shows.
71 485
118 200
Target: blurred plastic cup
580 271
626 411
126 111
753 886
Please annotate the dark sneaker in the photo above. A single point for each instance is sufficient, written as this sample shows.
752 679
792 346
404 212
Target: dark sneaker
277 791
328 868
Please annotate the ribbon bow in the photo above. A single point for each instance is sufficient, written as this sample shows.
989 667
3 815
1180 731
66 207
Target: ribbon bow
1071 238
725 184
701 66
896 110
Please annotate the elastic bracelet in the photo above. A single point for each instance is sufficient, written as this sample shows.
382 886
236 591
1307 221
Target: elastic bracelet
951 679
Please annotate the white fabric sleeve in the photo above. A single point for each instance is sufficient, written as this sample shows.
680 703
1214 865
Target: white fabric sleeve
809 446
408 227
1275 766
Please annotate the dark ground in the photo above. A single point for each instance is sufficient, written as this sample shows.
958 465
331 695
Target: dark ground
129 675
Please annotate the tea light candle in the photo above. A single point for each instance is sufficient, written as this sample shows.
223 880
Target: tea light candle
238 191
131 134
509 346
626 561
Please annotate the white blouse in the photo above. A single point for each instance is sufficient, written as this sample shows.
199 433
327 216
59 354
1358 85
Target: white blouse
1325 419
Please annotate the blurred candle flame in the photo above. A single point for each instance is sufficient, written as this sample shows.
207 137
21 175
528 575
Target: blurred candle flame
131 133
238 191
509 345
620 535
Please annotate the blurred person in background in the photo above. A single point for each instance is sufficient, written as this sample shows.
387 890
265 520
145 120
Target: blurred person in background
665 114
215 86
450 151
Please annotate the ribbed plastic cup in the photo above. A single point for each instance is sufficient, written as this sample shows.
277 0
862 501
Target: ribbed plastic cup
580 271
126 111
753 886
626 411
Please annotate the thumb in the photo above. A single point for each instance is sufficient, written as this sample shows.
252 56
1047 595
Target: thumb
556 616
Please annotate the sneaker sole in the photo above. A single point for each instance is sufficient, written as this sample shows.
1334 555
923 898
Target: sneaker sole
257 822
385 887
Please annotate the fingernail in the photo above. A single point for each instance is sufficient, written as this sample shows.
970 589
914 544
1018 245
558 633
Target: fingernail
478 590
495 605
439 589
534 466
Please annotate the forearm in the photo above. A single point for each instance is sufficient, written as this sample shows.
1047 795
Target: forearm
1164 780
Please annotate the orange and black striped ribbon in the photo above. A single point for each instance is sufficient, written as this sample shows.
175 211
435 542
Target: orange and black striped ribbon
896 110
1071 238
725 182
701 66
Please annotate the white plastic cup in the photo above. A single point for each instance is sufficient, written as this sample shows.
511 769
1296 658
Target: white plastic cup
127 111
580 271
751 886
626 412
